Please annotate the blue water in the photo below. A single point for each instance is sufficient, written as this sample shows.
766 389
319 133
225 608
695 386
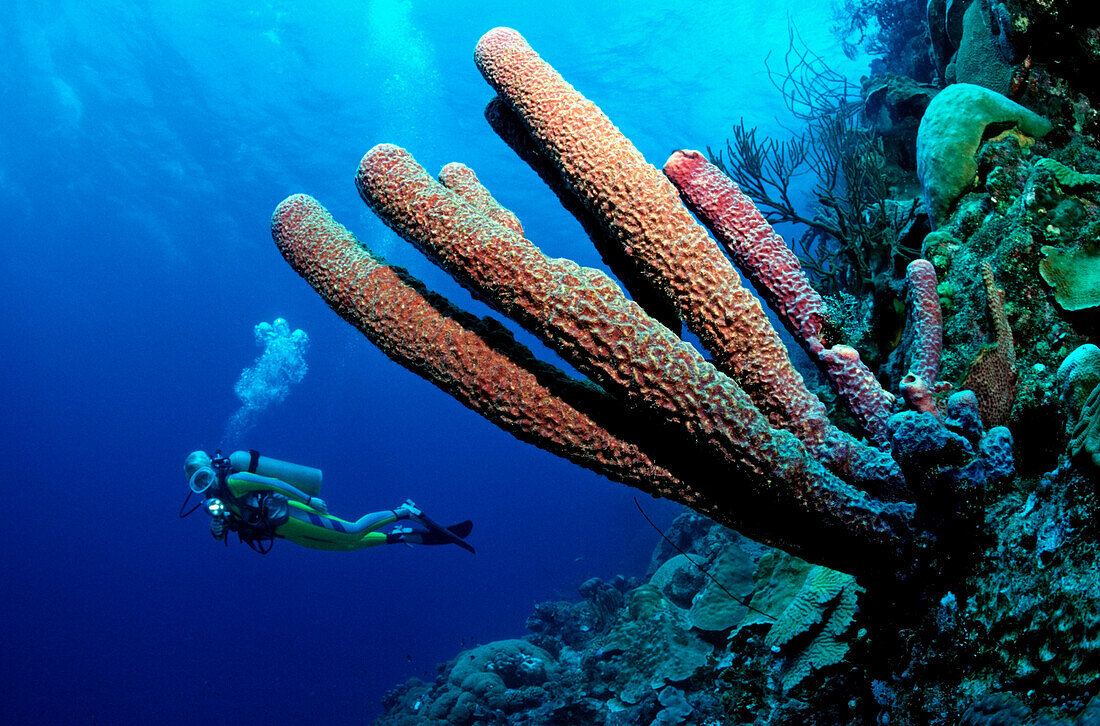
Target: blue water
143 147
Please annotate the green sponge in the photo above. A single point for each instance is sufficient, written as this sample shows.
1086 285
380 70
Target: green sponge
950 133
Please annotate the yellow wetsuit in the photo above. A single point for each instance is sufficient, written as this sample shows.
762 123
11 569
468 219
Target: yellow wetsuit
308 526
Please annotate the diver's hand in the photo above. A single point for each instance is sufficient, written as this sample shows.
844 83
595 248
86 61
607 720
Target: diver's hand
218 526
318 504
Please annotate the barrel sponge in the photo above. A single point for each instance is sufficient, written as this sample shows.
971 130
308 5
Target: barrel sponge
951 131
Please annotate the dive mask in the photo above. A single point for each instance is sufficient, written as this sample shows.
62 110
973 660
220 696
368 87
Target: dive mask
202 479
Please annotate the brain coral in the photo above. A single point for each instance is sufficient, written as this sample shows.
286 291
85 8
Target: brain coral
645 602
1086 436
978 59
1077 376
951 132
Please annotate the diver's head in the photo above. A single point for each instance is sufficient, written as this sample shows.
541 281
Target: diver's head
195 461
200 471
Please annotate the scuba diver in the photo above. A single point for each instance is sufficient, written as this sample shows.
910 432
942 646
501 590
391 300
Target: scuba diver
262 499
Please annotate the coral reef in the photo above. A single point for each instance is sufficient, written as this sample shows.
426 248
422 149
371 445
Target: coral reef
893 31
930 560
656 664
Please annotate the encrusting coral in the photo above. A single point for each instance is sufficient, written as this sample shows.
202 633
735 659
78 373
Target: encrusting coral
1066 176
808 633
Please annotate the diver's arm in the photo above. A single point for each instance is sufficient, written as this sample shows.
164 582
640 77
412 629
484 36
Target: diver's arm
242 482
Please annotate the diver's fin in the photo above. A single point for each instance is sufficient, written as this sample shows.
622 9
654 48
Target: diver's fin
462 529
434 536
438 534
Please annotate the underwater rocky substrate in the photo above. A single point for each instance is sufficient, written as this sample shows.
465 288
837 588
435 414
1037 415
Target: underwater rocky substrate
773 639
670 647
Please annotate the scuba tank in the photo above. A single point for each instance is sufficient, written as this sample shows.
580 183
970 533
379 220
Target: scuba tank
305 478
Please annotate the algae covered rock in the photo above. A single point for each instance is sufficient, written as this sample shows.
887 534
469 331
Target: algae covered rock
950 133
652 653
